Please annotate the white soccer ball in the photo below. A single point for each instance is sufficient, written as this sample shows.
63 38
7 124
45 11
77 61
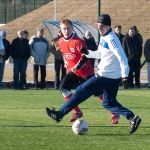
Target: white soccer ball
80 127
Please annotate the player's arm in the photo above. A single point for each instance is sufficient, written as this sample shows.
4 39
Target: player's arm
90 53
80 63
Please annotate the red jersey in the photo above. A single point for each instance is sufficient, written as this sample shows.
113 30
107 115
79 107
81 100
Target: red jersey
71 52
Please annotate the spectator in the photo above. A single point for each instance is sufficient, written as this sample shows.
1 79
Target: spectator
138 35
133 49
4 56
26 35
90 43
117 30
20 54
59 62
40 50
147 56
2 53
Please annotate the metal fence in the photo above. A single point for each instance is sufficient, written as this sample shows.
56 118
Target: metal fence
11 9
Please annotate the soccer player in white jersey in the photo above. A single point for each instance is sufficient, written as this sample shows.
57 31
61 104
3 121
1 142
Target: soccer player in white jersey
113 68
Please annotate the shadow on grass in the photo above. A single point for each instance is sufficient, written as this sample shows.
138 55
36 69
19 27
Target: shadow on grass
63 126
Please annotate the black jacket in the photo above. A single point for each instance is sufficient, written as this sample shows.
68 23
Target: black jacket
20 49
120 37
147 50
132 47
90 43
7 49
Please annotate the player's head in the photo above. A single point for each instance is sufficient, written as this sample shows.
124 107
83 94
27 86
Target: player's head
104 23
66 27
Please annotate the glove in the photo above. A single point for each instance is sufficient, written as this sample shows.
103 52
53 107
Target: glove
125 83
83 50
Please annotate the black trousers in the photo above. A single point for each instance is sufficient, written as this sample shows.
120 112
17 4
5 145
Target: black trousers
43 75
134 72
60 72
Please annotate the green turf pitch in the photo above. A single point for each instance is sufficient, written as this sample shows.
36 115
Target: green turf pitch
24 124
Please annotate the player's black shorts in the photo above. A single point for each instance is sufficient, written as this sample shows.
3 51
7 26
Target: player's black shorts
71 81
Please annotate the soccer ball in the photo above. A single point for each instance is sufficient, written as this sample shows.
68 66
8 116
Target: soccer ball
80 127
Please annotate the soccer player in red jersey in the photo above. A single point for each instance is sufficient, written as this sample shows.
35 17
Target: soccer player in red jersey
78 67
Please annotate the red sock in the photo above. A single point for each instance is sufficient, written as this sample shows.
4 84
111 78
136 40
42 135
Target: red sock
76 109
100 98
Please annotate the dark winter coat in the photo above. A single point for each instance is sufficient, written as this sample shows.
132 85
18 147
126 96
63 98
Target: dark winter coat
7 48
20 49
147 50
132 47
90 43
120 37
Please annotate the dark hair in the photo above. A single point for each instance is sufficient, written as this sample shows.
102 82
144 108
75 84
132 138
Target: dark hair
118 26
26 32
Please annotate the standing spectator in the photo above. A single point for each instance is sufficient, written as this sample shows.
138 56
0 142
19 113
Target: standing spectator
117 30
147 56
133 49
59 62
26 36
90 43
137 34
20 54
40 50
4 55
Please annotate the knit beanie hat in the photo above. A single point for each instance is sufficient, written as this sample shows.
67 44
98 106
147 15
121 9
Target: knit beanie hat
104 19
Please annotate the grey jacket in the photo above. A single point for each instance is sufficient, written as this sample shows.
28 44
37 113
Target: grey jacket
40 50
2 51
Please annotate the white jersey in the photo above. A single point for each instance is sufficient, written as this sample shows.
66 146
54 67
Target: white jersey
114 63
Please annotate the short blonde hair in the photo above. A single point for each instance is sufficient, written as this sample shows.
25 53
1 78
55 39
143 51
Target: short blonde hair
66 22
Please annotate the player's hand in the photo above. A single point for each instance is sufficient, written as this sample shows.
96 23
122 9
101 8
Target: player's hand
125 83
83 50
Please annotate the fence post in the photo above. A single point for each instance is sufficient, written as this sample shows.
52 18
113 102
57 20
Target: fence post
34 4
14 9
99 12
5 11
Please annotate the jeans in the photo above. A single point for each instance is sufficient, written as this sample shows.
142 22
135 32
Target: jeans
20 67
2 65
59 66
94 86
